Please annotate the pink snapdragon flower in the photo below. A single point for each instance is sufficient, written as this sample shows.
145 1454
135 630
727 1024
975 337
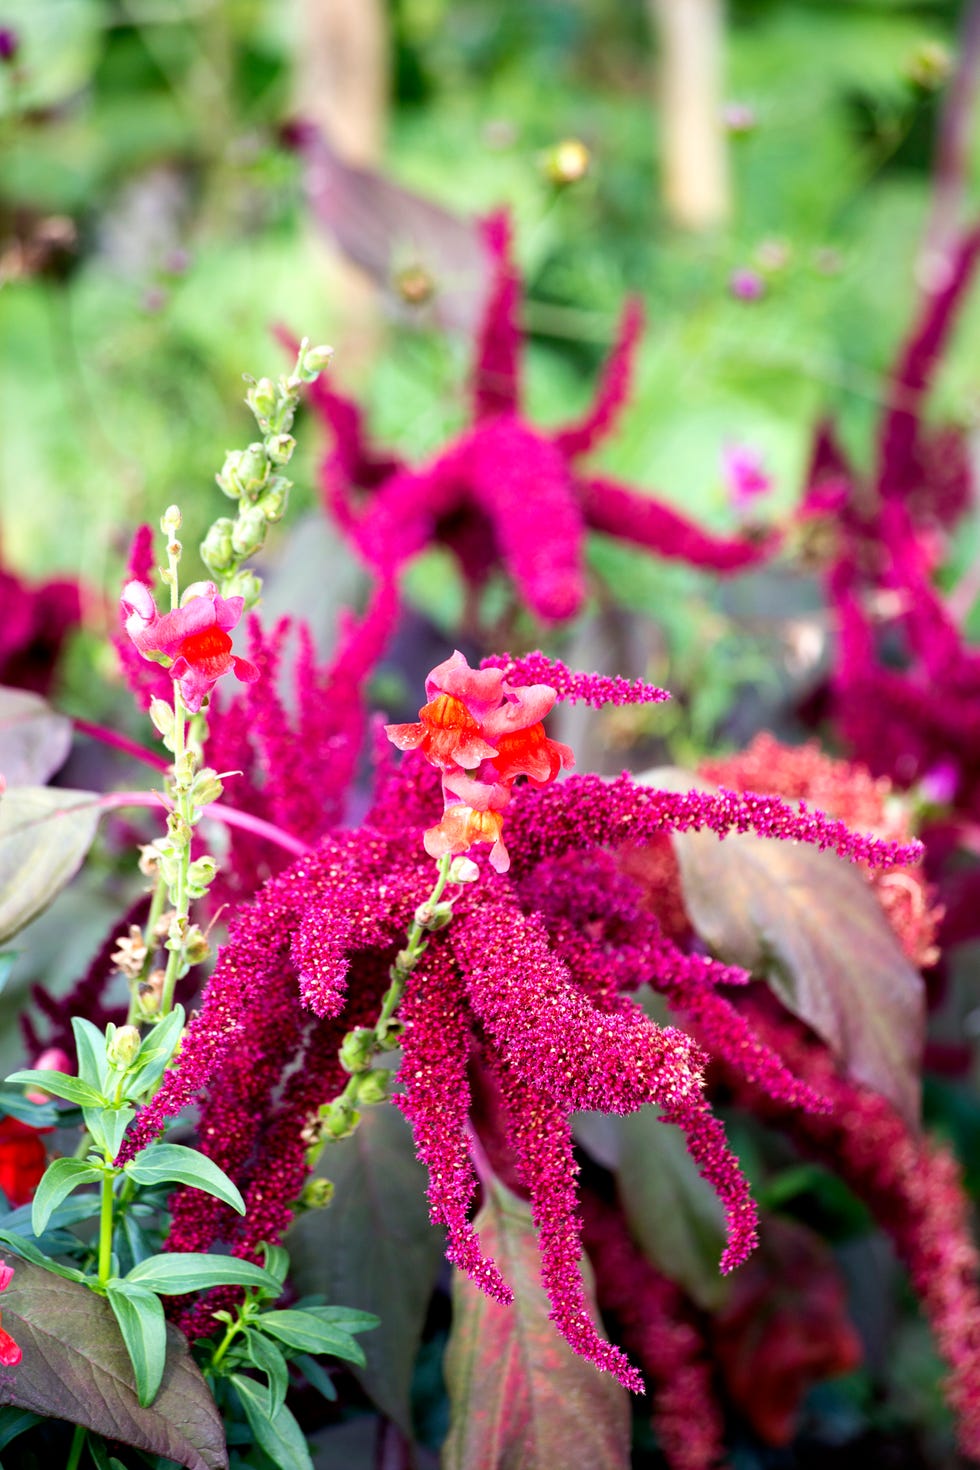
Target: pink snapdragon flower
482 733
192 642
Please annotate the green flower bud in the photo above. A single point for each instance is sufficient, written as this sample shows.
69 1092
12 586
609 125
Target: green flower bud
123 1046
217 548
316 1194
463 870
227 477
433 916
339 1118
248 533
253 470
206 787
280 448
273 502
195 946
162 715
372 1087
356 1049
243 584
200 876
171 520
391 1038
263 399
312 361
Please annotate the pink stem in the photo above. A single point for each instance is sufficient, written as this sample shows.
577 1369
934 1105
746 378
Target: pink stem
218 813
120 742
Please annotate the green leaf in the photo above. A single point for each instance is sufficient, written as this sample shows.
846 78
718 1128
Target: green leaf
673 1214
34 741
173 1163
379 1250
45 833
155 1052
811 925
140 1316
75 1367
518 1395
38 1115
14 1422
60 1084
279 1435
108 1126
90 1048
60 1179
172 1275
276 1261
270 1361
316 1376
29 1252
350 1319
300 1329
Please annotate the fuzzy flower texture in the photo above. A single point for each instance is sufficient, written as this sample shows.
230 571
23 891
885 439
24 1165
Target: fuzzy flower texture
528 989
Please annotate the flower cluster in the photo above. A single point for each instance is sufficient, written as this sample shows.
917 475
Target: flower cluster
482 734
193 642
507 493
530 984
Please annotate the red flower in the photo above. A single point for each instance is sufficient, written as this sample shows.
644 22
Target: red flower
462 828
531 753
192 641
447 735
10 1353
23 1159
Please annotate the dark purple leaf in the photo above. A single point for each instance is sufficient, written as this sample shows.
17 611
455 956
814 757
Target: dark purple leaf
34 741
76 1368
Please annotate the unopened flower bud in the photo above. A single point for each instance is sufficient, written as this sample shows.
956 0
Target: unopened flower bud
433 916
280 448
415 285
463 870
372 1087
243 584
313 360
316 1194
227 477
171 520
151 992
248 532
339 1118
273 502
253 470
178 829
196 947
206 787
218 547
567 162
162 715
200 876
391 1037
123 1046
263 399
356 1049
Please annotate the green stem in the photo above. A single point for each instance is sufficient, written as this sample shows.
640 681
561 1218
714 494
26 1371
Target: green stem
185 812
77 1445
231 1333
135 1015
105 1228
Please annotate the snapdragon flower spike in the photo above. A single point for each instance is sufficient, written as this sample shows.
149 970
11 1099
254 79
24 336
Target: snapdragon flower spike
193 641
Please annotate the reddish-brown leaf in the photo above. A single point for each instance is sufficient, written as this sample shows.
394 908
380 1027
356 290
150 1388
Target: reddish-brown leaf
520 1399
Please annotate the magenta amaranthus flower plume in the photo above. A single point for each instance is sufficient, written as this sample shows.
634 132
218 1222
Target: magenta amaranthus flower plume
192 642
507 492
531 981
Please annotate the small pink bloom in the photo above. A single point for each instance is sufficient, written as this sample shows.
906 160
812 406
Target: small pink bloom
52 1059
746 285
6 1276
481 690
193 641
745 474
